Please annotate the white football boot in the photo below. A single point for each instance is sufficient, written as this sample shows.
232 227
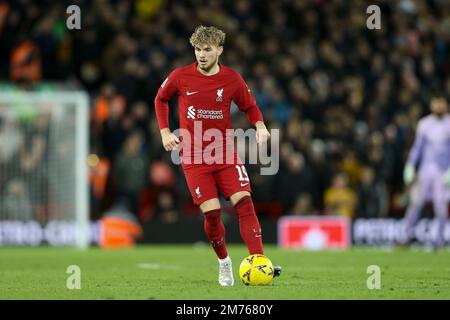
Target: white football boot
226 272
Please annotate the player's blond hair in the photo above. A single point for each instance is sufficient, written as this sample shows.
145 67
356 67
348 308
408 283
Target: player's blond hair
207 35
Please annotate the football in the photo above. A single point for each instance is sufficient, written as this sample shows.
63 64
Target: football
256 270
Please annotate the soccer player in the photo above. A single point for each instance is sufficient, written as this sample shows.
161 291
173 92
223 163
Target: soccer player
431 154
205 91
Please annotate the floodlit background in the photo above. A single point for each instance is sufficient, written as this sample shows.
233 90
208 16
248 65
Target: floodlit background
346 98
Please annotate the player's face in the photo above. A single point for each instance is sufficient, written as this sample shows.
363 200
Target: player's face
207 56
439 106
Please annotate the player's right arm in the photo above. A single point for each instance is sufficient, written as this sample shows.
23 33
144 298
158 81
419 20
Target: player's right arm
167 90
414 155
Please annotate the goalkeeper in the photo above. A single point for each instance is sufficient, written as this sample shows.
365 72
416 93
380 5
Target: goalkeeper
432 182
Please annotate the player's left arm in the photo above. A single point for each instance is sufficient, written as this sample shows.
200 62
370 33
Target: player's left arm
446 176
262 134
247 103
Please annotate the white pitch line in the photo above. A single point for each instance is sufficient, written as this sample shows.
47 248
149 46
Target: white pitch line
155 266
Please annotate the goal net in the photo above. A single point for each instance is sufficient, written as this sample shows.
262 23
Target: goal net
43 170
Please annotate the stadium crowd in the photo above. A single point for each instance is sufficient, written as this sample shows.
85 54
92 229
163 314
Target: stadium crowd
346 98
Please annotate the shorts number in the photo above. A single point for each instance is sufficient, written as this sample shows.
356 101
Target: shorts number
243 176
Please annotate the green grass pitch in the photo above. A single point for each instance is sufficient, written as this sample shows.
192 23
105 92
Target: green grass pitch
190 272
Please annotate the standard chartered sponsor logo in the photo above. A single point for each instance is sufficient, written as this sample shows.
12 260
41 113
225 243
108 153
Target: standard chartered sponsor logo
193 113
201 111
209 114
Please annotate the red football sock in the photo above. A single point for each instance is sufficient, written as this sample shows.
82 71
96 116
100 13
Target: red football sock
215 230
249 225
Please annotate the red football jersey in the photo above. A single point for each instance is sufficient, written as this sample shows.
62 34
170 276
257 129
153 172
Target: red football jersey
204 102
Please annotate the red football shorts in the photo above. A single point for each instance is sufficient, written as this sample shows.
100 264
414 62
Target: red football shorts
205 181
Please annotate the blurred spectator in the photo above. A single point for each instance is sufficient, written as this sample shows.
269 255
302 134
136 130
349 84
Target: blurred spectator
11 138
31 168
130 167
112 131
293 180
351 167
119 227
161 175
159 195
339 198
26 63
372 195
303 206
166 208
108 104
99 169
16 204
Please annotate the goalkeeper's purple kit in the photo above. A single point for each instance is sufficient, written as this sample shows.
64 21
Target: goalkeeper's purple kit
431 154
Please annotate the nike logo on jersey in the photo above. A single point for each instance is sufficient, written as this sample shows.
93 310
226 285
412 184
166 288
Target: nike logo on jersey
190 93
244 184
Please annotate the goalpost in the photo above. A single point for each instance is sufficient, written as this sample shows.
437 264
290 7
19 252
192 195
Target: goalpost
43 168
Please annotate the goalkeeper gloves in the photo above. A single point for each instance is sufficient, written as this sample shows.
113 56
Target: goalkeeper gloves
446 177
409 173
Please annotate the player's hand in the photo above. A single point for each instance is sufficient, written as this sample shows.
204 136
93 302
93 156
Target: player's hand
169 140
262 134
409 173
446 177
